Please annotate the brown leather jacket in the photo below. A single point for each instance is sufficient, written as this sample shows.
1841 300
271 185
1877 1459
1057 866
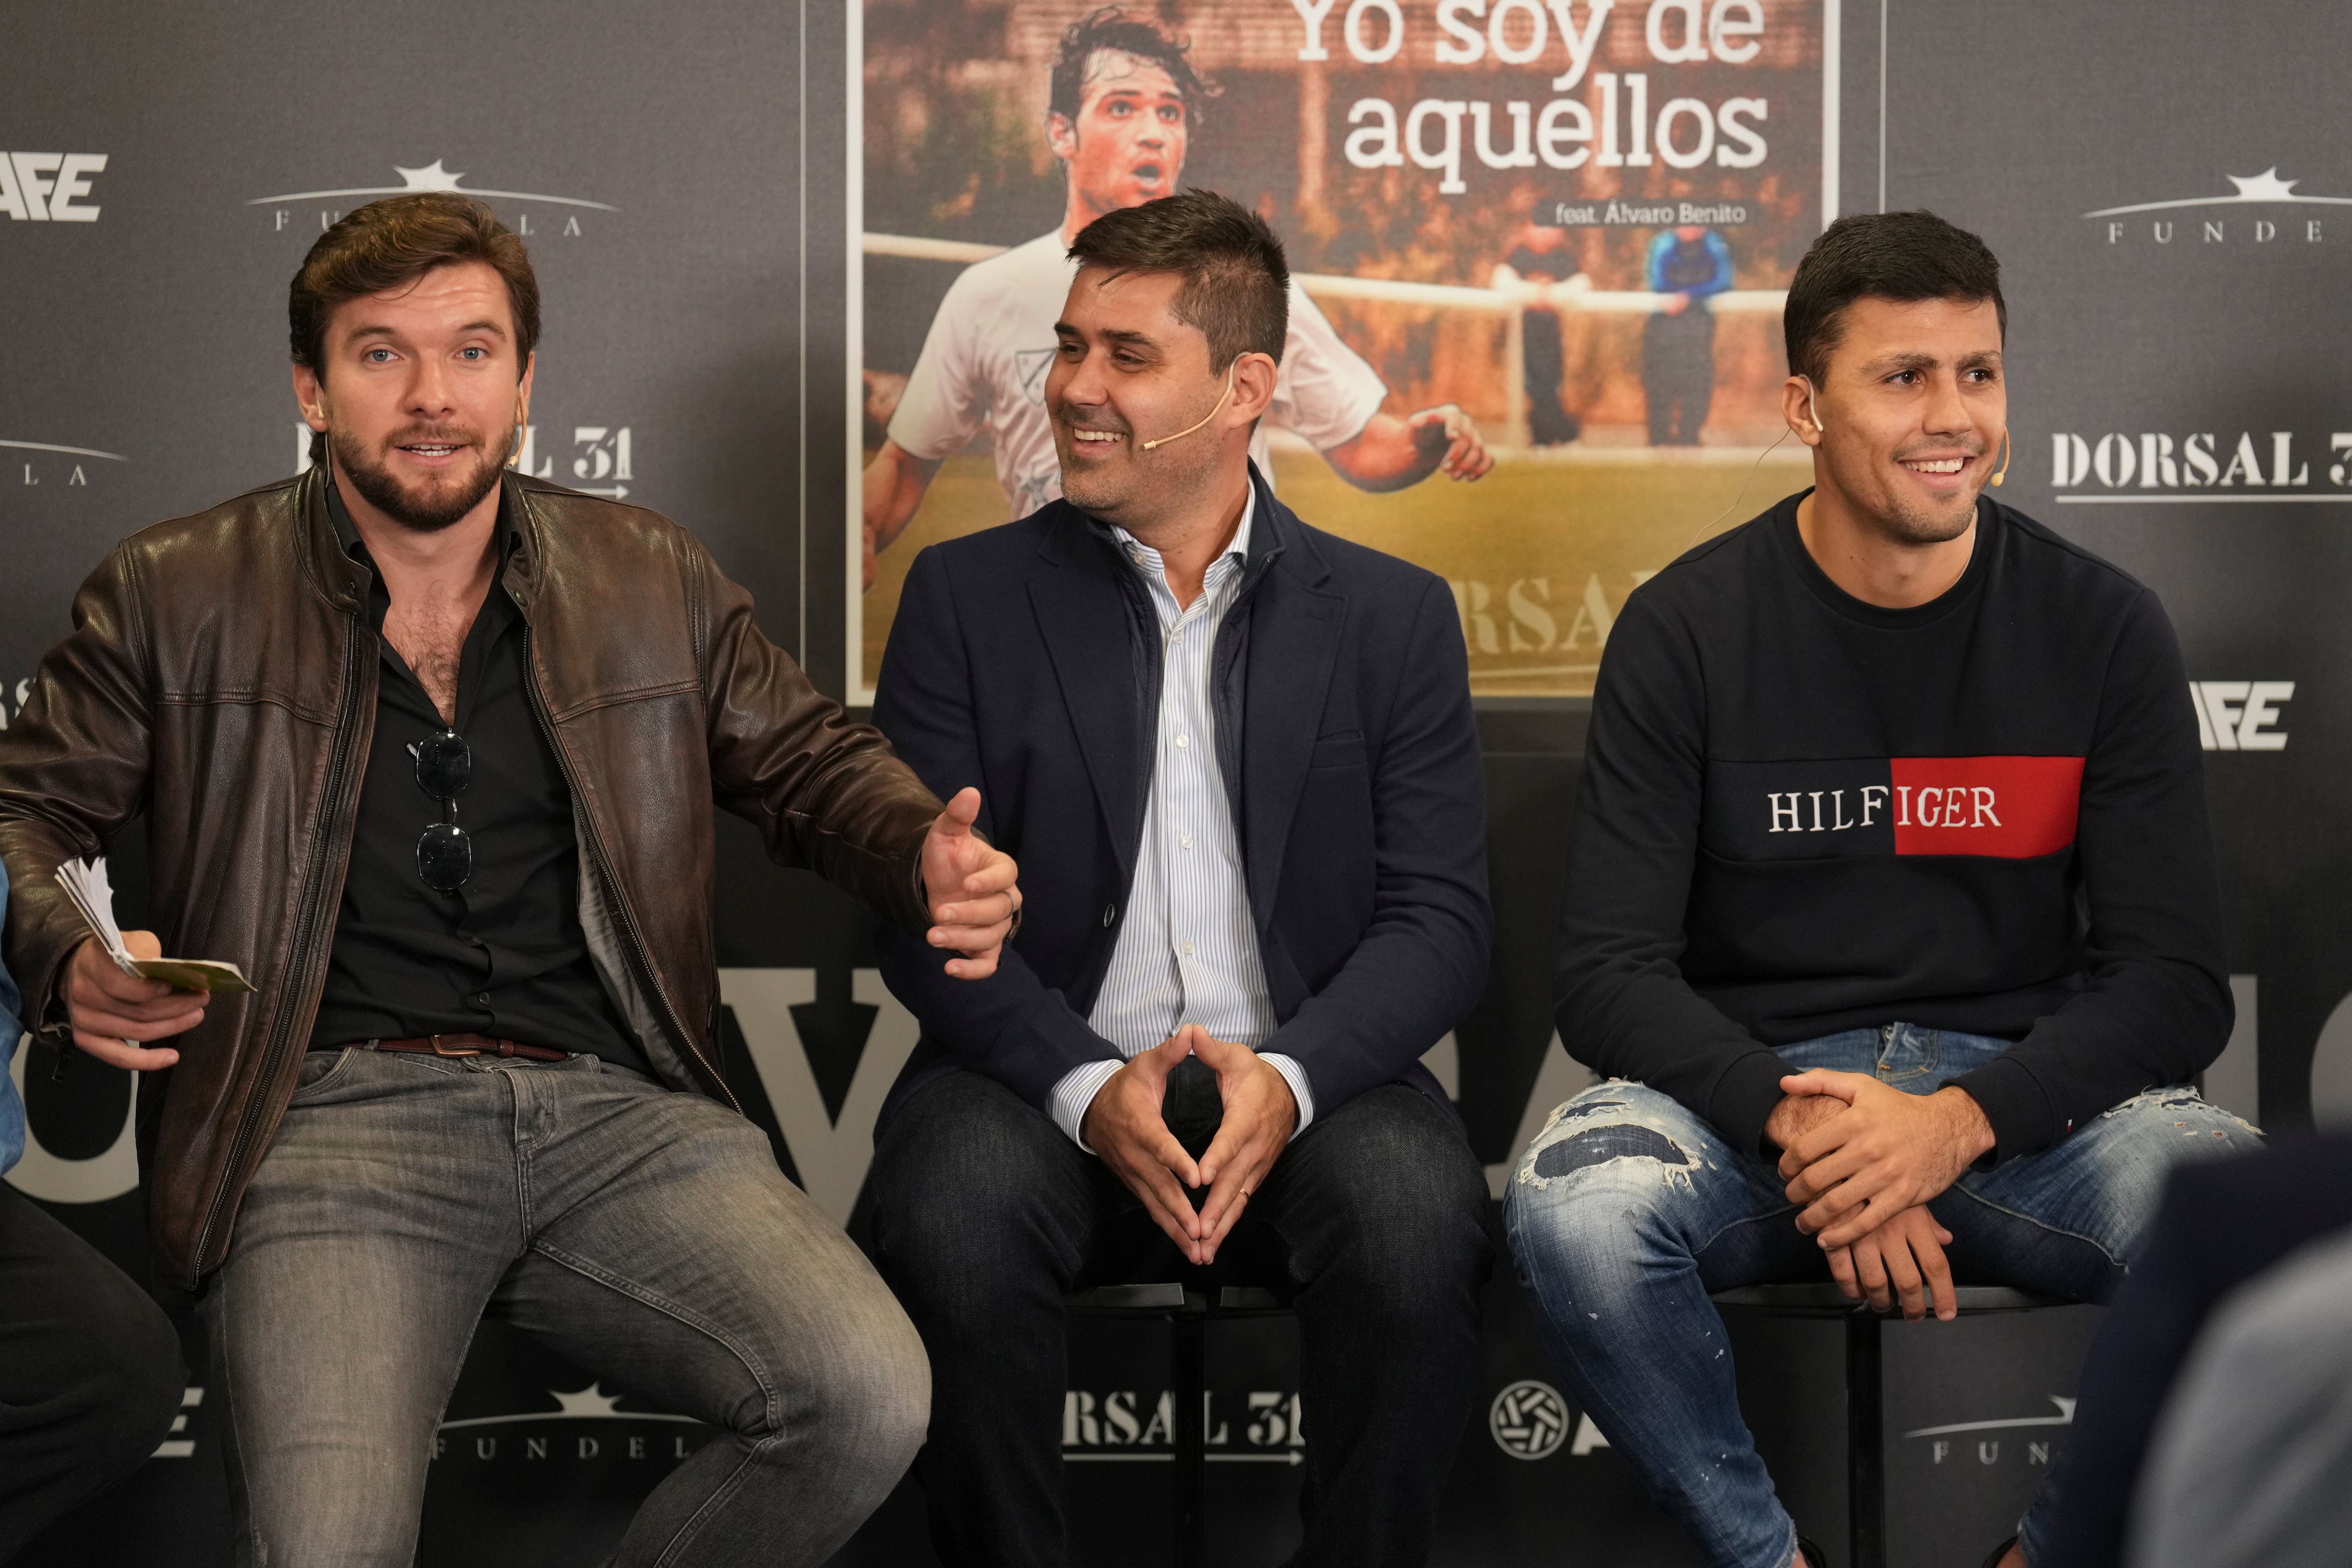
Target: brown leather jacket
220 676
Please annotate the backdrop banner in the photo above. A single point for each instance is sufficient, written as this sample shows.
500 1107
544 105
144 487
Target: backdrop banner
1572 223
1567 222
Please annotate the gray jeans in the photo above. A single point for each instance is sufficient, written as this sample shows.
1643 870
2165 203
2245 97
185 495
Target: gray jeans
643 1233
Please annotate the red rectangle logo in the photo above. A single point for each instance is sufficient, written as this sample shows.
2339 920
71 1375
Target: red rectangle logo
2015 808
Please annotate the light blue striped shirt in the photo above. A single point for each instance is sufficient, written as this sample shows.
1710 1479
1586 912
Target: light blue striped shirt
1187 952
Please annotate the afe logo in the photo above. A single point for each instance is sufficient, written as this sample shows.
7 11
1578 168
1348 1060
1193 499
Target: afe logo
2237 715
48 187
432 177
43 462
2263 190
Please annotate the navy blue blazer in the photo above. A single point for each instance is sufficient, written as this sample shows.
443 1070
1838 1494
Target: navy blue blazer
1024 660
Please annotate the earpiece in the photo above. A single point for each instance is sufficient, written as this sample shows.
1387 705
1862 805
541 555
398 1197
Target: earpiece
1814 406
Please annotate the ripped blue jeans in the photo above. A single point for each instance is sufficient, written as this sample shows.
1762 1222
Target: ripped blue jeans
1628 1209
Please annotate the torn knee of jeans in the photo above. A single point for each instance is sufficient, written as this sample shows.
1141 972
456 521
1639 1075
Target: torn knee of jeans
1599 1145
2177 1098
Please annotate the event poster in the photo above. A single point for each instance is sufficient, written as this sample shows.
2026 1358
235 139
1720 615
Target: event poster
1574 221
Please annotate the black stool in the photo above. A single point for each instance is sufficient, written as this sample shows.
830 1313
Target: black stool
1865 1452
1187 1314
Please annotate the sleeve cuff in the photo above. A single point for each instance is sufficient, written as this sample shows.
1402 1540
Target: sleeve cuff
2024 1120
1076 1092
1295 1076
1744 1098
914 917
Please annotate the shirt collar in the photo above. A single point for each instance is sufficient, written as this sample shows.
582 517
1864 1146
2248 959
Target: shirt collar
1237 550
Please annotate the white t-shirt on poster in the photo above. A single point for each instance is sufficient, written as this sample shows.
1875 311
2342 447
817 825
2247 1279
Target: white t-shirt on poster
985 359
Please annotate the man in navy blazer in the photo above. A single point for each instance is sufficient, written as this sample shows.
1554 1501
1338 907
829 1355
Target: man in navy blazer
1235 756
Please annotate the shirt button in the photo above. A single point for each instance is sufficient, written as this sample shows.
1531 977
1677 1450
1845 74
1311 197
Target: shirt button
1188 949
1110 912
1187 840
1181 740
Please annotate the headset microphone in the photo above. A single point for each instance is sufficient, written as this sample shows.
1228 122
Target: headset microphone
2004 460
1813 407
1205 418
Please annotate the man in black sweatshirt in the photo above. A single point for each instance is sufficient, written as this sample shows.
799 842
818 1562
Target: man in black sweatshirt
1892 923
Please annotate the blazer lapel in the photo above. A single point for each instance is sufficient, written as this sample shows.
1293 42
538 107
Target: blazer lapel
1082 618
1294 644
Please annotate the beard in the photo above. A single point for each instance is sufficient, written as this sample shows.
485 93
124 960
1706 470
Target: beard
434 503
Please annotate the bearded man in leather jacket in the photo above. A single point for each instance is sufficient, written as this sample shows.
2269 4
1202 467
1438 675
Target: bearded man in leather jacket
430 748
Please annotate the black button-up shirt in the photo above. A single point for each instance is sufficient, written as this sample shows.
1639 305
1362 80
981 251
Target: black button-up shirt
503 955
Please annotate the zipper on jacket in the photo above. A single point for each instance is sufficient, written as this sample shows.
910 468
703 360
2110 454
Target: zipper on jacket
306 931
605 871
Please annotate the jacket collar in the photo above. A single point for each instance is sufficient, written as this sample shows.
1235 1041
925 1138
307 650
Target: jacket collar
347 578
343 580
1275 536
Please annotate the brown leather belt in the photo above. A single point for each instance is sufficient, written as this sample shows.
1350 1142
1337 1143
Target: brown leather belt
464 1045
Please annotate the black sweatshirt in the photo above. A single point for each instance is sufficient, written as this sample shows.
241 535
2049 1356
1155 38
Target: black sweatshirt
1802 813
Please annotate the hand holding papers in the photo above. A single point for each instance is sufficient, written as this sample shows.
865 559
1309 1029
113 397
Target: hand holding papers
123 1005
85 882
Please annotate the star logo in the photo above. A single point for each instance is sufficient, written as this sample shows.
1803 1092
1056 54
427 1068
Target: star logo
2265 188
592 1400
588 1404
433 176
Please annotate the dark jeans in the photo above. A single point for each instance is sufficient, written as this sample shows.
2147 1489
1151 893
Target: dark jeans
1678 374
1371 1225
91 1374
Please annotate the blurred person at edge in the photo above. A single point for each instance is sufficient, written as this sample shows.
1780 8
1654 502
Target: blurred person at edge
1123 107
1899 949
91 1374
479 1073
1237 756
1688 265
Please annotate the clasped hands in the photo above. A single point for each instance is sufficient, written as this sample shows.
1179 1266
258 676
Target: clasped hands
1865 1160
1125 1129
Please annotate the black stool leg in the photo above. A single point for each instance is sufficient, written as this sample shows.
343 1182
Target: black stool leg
1188 1354
1865 1452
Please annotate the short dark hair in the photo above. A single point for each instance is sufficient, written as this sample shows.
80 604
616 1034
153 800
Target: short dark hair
394 240
1110 27
1237 283
1881 255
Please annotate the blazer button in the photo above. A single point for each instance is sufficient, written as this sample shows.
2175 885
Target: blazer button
1110 912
